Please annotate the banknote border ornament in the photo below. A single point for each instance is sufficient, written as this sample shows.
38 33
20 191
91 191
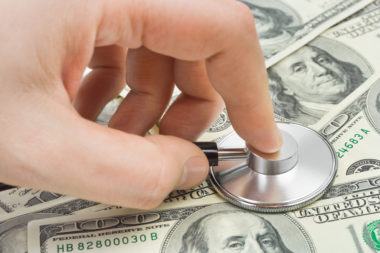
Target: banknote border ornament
369 235
370 163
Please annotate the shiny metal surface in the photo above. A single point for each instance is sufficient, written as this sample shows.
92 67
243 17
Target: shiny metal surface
225 154
295 176
278 163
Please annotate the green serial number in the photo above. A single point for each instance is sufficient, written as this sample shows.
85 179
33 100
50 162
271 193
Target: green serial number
106 243
352 143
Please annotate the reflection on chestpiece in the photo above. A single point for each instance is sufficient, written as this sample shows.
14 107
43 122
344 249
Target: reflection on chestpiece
293 177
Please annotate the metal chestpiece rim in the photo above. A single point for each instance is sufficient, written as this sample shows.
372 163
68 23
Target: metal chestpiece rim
297 175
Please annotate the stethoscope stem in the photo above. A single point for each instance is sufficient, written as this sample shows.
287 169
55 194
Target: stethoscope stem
232 154
214 155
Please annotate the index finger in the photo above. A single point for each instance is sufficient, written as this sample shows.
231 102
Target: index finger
220 31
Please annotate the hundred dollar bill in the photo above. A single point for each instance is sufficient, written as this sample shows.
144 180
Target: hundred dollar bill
18 198
218 227
13 227
192 229
284 26
312 81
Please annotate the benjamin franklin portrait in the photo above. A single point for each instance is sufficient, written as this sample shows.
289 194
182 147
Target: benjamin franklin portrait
276 24
222 228
232 231
307 84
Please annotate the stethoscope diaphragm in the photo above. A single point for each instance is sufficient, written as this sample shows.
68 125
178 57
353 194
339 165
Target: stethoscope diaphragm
297 175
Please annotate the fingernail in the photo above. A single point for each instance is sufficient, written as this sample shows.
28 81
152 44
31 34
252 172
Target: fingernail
270 142
276 140
195 171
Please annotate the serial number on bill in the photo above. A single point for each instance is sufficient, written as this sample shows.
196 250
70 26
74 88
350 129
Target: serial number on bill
106 243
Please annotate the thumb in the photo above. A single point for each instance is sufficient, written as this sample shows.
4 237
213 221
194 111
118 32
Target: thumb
139 171
58 151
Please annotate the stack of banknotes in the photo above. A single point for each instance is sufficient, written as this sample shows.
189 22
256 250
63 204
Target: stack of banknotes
323 60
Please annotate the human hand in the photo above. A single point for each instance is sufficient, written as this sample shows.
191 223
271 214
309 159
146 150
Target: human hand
209 48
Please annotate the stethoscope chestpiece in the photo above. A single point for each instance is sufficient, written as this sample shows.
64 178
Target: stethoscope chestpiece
294 177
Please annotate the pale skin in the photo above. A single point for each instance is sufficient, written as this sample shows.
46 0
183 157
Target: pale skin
48 140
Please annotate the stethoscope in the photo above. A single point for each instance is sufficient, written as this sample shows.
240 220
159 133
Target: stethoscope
294 177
